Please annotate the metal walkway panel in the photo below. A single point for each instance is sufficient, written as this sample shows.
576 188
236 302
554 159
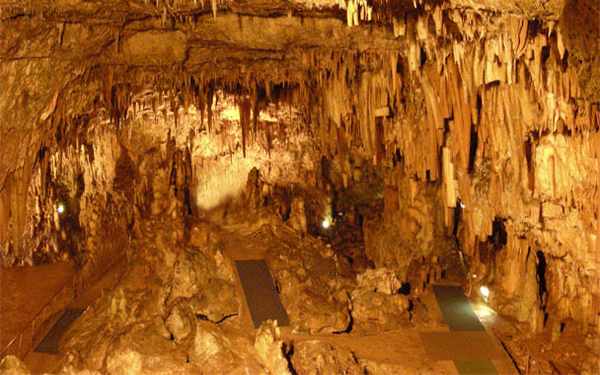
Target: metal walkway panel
49 343
457 310
261 294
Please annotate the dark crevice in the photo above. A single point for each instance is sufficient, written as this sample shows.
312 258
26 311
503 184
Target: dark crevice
423 57
473 148
499 236
204 317
405 289
530 164
288 352
348 328
509 354
541 276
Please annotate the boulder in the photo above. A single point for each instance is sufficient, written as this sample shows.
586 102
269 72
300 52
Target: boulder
216 301
315 357
380 280
12 365
270 348
313 310
374 311
220 352
181 320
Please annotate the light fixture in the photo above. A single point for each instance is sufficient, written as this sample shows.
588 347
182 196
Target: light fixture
61 208
462 205
484 291
326 224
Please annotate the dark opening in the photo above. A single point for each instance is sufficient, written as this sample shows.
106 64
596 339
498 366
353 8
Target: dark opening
397 157
545 54
473 149
405 289
457 214
288 352
533 28
530 167
541 275
399 67
498 238
350 260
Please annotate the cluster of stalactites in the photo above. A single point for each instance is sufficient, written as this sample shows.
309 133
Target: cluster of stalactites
491 109
356 10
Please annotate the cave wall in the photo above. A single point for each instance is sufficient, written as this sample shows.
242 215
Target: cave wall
73 207
495 117
196 159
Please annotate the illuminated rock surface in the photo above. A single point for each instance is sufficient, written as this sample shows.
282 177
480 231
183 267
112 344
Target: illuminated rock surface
439 142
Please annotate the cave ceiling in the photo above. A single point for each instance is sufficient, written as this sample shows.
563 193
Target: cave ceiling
69 59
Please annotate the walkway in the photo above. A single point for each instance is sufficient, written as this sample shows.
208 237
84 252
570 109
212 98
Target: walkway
43 363
467 344
414 351
23 293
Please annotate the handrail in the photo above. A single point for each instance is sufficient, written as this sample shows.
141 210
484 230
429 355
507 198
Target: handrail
76 289
70 281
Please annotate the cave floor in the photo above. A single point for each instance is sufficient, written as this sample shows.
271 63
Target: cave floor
403 349
24 291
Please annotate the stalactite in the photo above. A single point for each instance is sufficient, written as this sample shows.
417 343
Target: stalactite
244 111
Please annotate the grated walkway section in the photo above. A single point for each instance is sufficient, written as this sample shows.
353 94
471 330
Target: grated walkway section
49 343
467 343
260 292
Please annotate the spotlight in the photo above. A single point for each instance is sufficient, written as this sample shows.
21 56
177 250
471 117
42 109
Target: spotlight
326 224
484 291
462 205
61 208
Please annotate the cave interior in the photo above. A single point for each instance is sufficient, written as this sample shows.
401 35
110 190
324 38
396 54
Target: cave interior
367 157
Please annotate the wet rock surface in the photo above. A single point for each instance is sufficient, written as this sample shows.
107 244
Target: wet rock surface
376 304
12 365
317 357
155 320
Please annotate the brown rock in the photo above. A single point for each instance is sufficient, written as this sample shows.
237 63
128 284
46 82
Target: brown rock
317 357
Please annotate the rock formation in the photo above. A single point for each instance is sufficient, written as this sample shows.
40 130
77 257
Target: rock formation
448 138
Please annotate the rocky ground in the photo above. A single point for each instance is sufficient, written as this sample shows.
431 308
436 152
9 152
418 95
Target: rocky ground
177 308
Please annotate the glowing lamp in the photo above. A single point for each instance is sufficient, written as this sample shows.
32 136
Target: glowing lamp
61 208
484 291
326 224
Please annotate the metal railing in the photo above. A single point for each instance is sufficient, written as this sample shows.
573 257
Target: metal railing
33 332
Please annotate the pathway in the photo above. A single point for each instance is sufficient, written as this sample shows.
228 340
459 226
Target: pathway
23 293
43 363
